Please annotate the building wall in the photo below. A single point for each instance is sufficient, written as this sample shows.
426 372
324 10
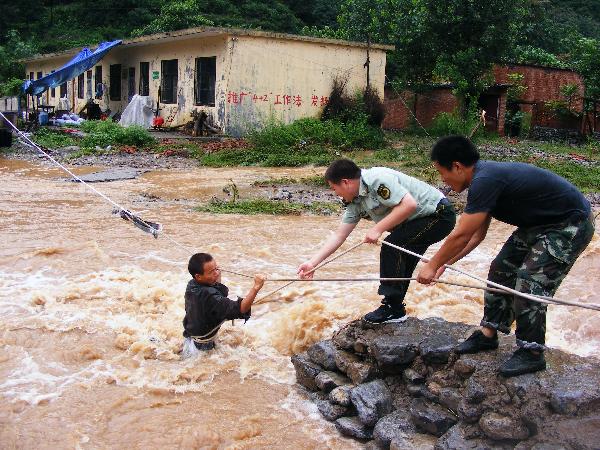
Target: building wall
258 78
287 80
543 83
9 104
185 51
401 110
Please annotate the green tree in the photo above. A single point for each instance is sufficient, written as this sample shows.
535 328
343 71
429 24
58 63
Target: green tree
13 50
585 58
175 16
469 36
453 40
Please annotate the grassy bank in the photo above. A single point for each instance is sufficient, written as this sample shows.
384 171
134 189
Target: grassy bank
304 142
271 207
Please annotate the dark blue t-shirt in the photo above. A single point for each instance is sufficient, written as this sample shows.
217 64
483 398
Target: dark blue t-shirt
524 195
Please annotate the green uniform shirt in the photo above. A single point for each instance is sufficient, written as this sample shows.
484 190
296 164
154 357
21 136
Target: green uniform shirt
381 189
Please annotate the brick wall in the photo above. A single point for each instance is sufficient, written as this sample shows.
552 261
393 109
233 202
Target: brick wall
424 106
543 85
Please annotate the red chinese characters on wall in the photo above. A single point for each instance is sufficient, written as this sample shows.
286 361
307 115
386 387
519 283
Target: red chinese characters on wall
239 98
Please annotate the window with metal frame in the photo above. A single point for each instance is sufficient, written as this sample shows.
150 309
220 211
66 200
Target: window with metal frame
115 81
89 90
144 87
53 90
169 81
205 80
81 86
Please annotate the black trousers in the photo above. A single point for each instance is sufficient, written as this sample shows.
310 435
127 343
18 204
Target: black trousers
415 235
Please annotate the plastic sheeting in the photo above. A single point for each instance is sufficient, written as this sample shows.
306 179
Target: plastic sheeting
138 112
83 61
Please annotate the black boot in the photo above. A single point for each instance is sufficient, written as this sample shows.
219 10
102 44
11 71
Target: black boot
477 342
523 361
388 312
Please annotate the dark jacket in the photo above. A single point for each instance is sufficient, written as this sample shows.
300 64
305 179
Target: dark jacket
206 307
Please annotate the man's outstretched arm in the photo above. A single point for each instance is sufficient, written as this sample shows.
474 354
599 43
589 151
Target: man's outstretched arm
469 232
331 245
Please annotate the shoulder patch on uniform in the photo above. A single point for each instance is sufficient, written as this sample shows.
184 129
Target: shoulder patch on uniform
383 191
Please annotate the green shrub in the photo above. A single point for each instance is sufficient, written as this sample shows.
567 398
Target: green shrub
453 123
53 139
105 132
305 141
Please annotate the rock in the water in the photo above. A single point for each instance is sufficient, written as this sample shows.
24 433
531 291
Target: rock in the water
326 381
396 425
498 427
372 400
341 395
323 354
351 426
431 418
331 412
306 371
414 370
115 174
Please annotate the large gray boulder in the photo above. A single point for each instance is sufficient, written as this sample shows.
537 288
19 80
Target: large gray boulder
500 428
431 418
351 426
323 354
306 371
372 401
396 425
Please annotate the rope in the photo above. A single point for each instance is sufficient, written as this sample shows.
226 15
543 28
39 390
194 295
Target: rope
260 300
535 298
30 143
549 300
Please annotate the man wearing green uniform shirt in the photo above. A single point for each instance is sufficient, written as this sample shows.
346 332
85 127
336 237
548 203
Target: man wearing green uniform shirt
415 213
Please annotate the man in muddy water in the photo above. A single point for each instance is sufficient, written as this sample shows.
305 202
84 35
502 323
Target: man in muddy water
416 215
554 226
207 305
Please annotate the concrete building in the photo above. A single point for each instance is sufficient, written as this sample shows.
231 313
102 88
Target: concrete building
240 78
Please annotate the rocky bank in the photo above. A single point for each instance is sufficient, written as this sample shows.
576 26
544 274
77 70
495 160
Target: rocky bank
401 386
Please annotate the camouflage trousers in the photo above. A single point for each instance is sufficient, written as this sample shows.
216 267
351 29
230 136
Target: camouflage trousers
534 260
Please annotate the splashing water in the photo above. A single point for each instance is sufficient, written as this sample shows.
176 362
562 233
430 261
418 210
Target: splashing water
91 314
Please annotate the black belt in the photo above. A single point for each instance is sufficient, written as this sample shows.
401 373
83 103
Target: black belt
443 203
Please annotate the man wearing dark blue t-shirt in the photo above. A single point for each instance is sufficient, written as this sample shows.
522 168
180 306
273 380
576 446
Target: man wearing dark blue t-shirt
554 226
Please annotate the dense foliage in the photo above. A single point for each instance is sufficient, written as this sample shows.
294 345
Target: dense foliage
454 40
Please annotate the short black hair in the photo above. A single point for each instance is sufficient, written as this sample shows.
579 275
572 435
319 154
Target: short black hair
342 168
196 264
454 148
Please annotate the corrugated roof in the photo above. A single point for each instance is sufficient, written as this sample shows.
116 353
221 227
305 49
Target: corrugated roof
200 32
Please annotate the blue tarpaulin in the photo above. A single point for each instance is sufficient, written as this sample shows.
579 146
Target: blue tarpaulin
83 61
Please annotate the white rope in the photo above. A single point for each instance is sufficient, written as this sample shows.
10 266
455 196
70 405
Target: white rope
33 145
535 298
260 300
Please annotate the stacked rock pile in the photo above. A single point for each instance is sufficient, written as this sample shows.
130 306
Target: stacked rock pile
402 386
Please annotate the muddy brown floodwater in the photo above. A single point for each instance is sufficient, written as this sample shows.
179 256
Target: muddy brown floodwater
91 310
